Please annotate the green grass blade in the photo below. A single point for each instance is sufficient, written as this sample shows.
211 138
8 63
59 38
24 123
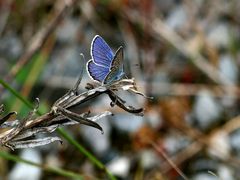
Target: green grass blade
58 171
92 158
15 93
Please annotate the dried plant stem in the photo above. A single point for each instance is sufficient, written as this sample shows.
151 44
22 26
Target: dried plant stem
60 131
171 163
204 141
182 156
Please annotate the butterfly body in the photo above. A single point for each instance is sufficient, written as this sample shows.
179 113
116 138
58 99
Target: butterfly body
105 66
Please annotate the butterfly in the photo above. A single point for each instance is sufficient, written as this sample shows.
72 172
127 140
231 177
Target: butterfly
105 66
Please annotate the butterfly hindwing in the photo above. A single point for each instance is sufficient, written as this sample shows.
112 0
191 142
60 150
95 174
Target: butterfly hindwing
118 58
97 72
116 71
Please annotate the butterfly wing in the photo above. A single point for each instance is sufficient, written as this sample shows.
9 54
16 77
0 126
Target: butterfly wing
116 71
96 72
101 53
104 66
118 58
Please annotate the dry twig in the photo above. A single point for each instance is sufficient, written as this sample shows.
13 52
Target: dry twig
22 133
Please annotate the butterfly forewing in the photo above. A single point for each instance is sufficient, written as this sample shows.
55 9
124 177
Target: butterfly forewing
118 58
101 53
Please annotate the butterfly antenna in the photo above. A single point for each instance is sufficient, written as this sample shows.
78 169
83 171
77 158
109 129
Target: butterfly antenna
83 58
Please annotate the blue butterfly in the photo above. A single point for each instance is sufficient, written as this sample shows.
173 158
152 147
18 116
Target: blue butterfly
105 66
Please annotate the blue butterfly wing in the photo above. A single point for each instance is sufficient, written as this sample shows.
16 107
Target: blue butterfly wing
96 72
116 71
101 53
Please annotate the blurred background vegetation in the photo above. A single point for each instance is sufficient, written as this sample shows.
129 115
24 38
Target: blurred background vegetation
184 53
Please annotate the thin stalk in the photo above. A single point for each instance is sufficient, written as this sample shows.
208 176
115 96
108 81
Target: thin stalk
15 93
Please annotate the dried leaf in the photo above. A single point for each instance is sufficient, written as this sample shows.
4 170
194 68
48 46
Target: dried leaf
34 131
62 121
10 124
83 97
78 118
119 103
129 85
99 116
33 143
